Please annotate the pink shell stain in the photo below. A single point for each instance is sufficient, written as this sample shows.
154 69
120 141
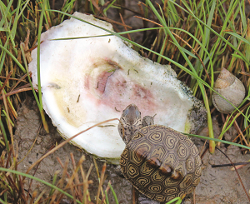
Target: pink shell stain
102 80
116 90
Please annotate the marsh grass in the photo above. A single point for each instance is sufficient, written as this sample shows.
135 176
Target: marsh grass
196 38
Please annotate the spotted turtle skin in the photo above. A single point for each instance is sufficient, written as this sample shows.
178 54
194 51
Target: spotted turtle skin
161 163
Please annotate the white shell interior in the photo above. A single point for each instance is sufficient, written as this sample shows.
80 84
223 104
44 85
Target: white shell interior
86 81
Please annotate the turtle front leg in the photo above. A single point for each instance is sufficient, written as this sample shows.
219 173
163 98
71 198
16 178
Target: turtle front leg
147 121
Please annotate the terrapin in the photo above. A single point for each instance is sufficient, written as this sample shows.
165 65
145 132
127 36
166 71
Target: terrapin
160 162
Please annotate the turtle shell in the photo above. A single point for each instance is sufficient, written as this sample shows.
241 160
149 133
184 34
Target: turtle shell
161 163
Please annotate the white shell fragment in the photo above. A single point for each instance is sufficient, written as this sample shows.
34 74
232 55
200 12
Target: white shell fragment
231 88
89 80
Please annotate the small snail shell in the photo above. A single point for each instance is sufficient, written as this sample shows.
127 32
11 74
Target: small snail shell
231 88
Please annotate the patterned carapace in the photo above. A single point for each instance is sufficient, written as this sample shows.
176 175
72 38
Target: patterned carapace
160 162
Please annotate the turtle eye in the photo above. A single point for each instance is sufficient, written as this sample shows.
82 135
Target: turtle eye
138 113
126 111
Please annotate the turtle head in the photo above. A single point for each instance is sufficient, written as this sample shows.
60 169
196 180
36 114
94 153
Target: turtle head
130 122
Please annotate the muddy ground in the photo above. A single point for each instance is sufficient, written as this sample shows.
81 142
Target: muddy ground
218 185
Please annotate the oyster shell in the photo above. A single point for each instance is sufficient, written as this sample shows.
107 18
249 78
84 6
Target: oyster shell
85 81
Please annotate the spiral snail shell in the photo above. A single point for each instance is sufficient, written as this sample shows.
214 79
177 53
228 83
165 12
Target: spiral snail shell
231 88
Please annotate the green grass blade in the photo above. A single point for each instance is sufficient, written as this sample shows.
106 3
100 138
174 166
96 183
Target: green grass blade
106 197
110 5
28 76
4 135
45 125
3 201
218 140
14 58
178 200
114 194
39 180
